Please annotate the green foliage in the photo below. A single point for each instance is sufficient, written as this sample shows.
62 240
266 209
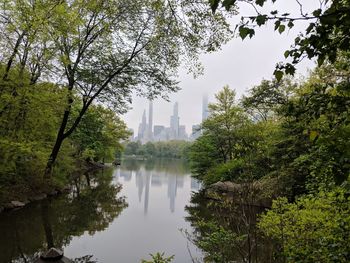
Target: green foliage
168 149
232 146
217 242
313 229
29 118
324 36
159 258
99 134
296 135
226 231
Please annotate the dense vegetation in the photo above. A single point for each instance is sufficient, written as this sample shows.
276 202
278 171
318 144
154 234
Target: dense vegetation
294 138
168 149
60 61
30 116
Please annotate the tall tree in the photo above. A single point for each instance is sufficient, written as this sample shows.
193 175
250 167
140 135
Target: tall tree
111 49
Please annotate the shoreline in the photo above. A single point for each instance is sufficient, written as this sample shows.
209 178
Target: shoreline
28 198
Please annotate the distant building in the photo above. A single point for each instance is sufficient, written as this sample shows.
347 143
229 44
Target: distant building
159 133
131 137
142 132
196 132
205 111
182 133
174 123
150 122
147 132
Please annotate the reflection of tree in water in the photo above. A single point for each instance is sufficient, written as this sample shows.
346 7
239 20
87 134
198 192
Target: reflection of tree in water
226 231
174 166
53 222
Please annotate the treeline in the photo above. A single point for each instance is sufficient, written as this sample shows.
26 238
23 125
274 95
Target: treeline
292 137
30 116
60 59
168 149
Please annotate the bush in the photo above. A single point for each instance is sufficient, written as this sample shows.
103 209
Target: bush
313 229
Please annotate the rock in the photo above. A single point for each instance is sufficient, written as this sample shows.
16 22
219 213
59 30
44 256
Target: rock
225 187
17 204
53 255
38 197
9 206
66 189
53 193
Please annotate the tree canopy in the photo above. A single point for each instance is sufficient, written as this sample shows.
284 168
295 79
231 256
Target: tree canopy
326 34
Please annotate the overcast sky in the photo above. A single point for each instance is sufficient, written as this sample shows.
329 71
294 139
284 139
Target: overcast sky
239 64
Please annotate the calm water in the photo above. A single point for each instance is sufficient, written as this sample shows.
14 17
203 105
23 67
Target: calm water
95 222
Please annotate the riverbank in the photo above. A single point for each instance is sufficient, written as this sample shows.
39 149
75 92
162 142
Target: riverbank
20 195
259 193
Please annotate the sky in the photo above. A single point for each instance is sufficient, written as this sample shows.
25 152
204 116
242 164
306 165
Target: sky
239 64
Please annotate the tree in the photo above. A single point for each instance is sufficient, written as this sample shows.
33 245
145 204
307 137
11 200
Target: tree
326 34
264 100
105 58
103 52
99 134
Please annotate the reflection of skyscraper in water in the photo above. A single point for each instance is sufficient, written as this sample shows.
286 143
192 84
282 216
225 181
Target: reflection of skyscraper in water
148 179
172 189
139 183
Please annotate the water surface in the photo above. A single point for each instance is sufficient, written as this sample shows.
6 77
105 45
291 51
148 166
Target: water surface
96 223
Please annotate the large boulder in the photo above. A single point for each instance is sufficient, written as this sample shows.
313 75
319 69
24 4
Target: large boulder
17 204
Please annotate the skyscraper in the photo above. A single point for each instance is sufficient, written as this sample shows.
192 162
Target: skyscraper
205 112
142 128
150 121
174 122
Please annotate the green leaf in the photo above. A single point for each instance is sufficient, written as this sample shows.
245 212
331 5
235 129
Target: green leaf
289 69
261 19
281 28
286 53
246 31
228 4
290 24
313 135
310 27
214 4
277 24
278 75
260 2
317 12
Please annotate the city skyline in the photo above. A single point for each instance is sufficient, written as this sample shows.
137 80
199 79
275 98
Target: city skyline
147 131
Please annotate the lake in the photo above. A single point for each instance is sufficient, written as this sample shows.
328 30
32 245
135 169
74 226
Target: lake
99 221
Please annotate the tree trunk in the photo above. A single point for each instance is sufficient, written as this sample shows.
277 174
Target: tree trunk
12 57
59 140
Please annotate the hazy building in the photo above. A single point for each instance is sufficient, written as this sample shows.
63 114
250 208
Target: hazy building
182 133
158 133
150 122
174 123
131 137
142 132
196 132
205 111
